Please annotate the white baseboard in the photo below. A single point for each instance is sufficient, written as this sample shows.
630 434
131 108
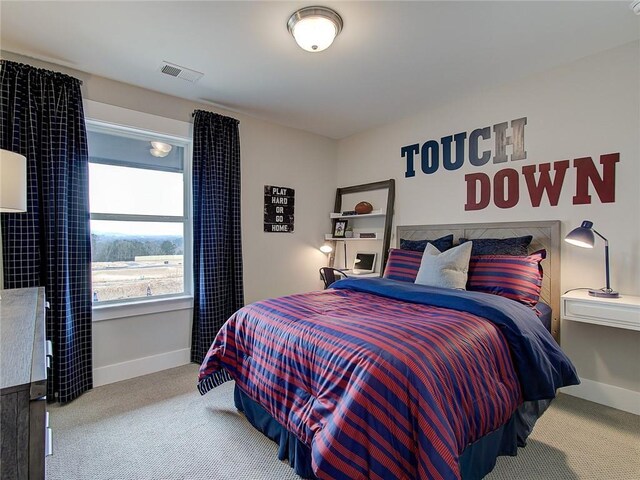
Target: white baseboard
609 395
140 366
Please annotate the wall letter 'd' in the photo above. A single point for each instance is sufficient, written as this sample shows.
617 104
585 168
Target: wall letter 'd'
485 191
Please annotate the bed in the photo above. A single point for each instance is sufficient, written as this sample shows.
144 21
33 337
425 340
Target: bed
382 378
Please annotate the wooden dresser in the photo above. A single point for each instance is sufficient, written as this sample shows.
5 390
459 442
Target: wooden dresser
25 437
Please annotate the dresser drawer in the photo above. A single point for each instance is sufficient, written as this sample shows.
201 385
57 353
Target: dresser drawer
23 385
37 438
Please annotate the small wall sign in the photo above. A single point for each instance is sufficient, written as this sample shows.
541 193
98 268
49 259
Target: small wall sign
278 209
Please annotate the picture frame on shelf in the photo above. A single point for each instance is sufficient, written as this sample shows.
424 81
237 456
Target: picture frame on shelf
340 228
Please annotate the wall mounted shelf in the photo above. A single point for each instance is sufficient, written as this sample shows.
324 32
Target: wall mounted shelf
328 237
375 213
384 227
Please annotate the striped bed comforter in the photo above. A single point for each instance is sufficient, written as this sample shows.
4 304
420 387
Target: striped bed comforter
379 382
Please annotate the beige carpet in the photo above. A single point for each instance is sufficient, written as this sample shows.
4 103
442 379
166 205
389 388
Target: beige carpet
158 427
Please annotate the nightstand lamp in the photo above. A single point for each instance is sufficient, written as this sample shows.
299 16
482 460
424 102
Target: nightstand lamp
584 237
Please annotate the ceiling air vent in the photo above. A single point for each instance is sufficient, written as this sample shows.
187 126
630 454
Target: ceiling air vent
180 72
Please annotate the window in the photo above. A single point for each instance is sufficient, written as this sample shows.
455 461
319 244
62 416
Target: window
140 233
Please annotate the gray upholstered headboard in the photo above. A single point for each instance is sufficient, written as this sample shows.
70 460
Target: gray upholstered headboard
546 234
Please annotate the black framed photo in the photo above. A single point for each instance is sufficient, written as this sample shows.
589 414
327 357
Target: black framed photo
339 228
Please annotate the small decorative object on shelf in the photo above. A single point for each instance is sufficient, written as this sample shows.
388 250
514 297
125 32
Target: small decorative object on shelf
349 212
348 232
340 228
363 208
367 235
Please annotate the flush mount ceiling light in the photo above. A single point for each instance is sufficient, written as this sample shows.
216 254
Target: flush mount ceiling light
160 149
314 28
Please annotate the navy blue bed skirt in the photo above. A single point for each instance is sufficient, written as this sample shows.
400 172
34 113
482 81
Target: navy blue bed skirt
477 460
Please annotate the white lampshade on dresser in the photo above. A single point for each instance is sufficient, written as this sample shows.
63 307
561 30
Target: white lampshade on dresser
13 182
13 190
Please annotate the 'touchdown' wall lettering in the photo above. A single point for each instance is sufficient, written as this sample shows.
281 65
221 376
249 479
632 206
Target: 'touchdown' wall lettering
504 188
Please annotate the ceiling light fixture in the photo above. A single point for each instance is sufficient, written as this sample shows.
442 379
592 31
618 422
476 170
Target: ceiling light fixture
158 153
160 149
163 147
314 28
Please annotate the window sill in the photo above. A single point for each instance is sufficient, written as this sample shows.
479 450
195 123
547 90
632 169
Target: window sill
141 307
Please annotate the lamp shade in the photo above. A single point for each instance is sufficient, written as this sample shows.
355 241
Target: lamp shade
315 28
582 236
13 182
326 248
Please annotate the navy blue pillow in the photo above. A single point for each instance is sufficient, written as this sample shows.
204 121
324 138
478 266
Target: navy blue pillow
442 244
500 246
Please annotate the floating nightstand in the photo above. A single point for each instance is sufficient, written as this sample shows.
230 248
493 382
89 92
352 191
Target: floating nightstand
621 312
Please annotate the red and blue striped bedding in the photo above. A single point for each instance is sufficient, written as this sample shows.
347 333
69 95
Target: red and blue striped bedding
379 384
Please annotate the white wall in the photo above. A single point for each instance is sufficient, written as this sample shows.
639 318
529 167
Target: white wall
274 263
278 264
587 108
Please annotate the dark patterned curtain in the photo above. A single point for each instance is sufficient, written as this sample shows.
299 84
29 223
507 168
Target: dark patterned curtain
41 117
217 245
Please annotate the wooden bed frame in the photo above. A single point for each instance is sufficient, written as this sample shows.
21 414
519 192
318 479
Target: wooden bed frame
546 234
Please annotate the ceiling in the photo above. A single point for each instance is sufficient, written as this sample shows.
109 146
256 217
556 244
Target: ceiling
392 59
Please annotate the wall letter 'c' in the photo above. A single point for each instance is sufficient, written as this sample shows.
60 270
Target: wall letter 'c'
485 133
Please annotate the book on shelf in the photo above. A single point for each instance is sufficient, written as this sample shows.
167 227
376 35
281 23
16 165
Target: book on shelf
367 235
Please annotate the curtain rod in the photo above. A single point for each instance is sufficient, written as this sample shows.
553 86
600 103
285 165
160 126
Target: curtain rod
224 117
46 70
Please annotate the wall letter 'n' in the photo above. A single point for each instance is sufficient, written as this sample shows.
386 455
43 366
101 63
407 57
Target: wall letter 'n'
604 185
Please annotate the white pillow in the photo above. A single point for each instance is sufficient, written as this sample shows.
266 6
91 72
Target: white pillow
447 269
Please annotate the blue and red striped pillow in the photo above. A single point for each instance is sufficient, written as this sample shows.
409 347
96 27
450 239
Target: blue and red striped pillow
516 277
403 265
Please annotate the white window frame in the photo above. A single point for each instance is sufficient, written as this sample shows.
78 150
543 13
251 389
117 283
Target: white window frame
108 118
